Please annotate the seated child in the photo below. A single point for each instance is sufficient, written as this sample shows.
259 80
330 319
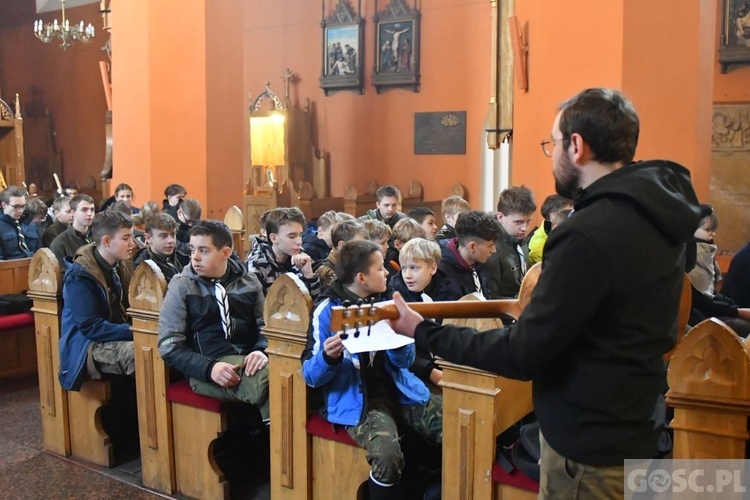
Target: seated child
403 231
508 265
379 232
173 196
342 233
426 218
386 206
211 320
464 256
95 335
706 272
551 207
369 392
318 249
420 280
451 207
160 239
282 251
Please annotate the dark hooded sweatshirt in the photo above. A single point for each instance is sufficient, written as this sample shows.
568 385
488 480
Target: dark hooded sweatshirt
602 315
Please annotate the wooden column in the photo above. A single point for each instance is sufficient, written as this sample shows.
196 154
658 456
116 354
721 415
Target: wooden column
45 286
147 289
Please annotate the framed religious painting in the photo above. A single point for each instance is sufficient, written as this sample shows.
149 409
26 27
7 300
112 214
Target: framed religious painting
734 46
343 44
396 47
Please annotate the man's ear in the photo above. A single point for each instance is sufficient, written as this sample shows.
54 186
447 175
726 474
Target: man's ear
106 240
340 244
499 216
147 237
272 238
226 252
398 245
580 149
433 268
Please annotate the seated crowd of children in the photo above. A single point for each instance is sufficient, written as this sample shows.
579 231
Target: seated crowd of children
211 326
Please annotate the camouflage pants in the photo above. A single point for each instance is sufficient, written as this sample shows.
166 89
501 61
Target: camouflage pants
253 390
115 358
562 478
378 434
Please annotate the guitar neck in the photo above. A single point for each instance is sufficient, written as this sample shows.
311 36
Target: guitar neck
461 309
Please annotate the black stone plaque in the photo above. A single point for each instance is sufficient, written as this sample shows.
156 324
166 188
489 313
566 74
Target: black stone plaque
440 133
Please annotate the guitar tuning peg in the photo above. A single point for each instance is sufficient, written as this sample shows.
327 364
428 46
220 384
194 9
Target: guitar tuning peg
356 332
372 306
347 304
360 302
369 326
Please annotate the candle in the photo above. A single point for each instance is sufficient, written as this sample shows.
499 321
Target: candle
80 28
55 27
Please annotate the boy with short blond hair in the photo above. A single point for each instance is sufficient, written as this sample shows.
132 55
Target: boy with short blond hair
420 280
451 207
403 231
319 248
282 251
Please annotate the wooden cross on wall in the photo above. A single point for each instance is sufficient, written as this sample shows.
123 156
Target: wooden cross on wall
289 77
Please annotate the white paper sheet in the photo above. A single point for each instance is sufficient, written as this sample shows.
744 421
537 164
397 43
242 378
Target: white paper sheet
381 338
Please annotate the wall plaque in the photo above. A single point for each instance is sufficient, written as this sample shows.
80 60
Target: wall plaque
440 133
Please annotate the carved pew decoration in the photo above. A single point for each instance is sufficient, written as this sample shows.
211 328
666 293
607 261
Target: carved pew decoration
147 290
709 388
45 286
17 334
236 223
287 317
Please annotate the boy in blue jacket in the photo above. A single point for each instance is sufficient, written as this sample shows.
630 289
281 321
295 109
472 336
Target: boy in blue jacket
95 333
368 393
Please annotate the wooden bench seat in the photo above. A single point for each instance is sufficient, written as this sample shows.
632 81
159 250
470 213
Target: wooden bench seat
17 345
197 422
17 342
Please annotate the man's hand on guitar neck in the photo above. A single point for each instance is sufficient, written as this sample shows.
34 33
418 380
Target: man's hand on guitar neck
408 318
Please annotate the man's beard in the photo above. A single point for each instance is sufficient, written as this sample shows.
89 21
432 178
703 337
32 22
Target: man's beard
567 179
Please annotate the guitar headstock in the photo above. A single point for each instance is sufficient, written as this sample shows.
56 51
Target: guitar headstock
359 315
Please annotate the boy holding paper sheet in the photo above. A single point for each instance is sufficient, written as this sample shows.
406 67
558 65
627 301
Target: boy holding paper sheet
368 392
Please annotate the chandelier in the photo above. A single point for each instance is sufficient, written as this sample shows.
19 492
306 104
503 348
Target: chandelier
63 31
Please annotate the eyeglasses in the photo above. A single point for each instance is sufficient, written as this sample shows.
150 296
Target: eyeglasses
16 207
546 142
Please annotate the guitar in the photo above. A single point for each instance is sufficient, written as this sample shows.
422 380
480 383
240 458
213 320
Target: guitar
364 314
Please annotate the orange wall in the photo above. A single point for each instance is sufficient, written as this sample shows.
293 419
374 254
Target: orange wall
371 136
573 45
69 80
668 61
179 105
658 53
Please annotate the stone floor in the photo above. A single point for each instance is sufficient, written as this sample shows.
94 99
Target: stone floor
26 472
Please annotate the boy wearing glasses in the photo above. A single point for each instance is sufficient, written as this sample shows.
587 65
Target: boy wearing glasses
16 241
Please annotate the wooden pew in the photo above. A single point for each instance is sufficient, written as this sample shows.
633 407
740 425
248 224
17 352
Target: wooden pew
71 421
312 206
303 465
17 345
709 389
146 293
307 466
236 223
415 198
177 427
357 204
14 275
